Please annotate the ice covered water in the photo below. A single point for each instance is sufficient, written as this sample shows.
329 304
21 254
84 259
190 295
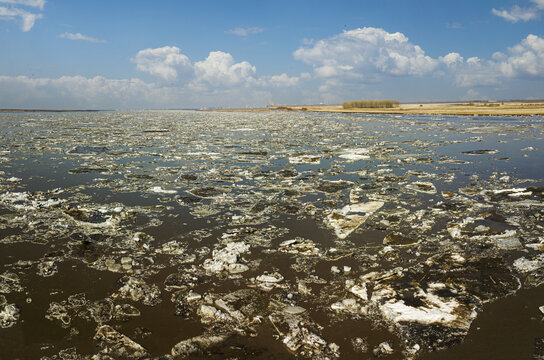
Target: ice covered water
272 234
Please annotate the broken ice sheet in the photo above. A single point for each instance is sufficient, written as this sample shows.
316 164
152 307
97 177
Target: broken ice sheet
423 187
269 281
350 217
227 259
227 235
299 246
117 344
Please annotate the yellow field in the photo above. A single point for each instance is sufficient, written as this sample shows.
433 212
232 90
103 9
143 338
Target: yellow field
485 108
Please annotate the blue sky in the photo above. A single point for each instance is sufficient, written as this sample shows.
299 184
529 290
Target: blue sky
175 54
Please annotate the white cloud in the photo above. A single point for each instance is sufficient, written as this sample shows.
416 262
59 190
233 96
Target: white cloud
164 62
452 59
33 3
524 59
81 37
282 80
78 92
517 13
27 19
361 56
366 51
475 72
245 31
217 80
342 65
220 70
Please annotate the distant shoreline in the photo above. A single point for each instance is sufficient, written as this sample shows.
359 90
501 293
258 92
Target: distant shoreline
501 108
44 110
480 108
236 110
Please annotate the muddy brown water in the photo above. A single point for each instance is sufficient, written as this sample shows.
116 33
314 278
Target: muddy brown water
82 192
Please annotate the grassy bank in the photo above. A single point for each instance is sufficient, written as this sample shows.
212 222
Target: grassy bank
520 108
370 104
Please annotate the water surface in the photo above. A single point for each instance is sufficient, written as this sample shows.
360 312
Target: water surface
270 235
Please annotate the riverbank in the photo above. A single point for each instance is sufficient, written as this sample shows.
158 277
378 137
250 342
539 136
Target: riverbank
514 108
509 108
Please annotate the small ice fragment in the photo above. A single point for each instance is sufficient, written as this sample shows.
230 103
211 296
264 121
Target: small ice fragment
294 310
192 296
384 349
160 190
9 315
305 159
353 155
273 278
366 208
422 187
480 152
360 291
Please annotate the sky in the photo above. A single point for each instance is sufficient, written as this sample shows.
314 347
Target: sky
142 54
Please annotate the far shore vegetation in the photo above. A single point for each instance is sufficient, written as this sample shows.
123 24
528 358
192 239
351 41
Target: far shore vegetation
371 104
461 108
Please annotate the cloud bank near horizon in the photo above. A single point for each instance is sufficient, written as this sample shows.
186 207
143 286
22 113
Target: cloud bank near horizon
356 60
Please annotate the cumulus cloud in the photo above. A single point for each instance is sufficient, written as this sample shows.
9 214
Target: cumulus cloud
342 65
220 70
220 80
240 31
524 60
356 57
452 59
517 13
217 80
80 37
363 51
165 62
27 19
476 72
282 80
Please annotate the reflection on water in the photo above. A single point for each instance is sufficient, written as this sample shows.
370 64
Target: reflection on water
268 235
